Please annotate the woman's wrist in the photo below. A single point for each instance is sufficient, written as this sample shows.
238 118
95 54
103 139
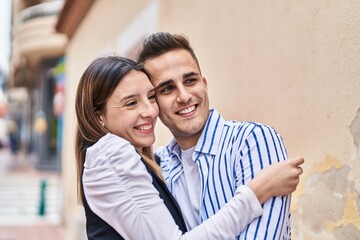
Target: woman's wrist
260 189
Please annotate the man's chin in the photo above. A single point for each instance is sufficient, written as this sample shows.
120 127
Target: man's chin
188 130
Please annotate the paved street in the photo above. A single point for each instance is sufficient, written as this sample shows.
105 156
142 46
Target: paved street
24 214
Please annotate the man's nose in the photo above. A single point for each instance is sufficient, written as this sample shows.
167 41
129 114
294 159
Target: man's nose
183 95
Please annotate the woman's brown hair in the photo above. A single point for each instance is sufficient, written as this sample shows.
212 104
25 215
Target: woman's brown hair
94 89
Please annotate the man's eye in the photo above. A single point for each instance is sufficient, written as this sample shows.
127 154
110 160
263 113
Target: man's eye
190 81
167 89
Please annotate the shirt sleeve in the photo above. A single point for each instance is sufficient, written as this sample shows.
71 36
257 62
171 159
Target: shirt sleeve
261 147
231 219
119 190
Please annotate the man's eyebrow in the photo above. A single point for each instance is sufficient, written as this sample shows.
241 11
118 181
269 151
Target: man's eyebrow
190 74
164 84
170 81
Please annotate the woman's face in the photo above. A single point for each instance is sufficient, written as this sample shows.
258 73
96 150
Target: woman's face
131 111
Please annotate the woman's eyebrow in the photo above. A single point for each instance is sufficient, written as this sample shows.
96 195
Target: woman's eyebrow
126 98
123 99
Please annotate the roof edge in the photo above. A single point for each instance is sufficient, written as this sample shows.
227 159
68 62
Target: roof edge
71 16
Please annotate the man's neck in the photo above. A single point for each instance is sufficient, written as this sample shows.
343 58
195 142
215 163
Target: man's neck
187 142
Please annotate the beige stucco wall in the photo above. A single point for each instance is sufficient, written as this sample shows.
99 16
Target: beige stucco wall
294 65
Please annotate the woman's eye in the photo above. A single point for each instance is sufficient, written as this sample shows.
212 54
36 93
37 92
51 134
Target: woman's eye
130 104
152 97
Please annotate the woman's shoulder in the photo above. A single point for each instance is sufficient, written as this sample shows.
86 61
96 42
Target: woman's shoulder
108 149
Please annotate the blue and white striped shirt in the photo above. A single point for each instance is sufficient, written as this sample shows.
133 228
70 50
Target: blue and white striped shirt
229 154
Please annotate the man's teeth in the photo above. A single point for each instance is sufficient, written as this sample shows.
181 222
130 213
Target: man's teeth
187 110
145 127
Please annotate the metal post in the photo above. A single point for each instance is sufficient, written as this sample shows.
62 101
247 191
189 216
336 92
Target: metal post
42 200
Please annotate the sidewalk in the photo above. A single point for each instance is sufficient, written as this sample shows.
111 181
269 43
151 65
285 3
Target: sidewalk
20 200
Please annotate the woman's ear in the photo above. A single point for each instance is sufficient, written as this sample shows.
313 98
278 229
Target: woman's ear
102 122
100 118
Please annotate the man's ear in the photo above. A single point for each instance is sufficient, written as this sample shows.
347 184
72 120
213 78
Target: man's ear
205 81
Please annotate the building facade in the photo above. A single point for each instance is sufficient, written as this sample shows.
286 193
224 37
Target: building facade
36 57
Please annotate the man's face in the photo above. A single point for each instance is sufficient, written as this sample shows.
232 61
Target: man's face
181 94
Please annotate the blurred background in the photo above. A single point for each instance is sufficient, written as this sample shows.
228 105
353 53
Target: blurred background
294 65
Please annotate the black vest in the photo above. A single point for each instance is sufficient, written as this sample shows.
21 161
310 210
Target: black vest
98 229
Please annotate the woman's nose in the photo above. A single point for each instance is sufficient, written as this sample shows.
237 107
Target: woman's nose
149 110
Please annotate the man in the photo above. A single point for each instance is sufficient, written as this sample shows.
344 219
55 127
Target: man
209 157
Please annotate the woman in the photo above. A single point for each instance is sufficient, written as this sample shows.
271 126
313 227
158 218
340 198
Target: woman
119 181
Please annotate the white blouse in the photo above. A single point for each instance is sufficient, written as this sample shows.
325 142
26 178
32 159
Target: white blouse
119 190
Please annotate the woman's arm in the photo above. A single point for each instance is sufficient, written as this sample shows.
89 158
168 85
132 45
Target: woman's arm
119 190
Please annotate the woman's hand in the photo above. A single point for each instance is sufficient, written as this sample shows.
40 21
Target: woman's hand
277 179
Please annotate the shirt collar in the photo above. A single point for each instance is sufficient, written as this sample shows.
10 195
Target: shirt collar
208 142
